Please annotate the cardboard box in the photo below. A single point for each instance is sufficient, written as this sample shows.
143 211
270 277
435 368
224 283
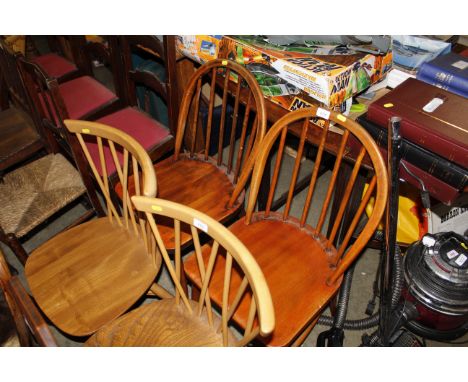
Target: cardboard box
201 48
293 77
451 218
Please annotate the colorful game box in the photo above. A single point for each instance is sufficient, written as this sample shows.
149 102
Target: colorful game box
297 76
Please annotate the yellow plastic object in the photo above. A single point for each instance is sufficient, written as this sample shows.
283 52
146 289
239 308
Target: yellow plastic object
412 219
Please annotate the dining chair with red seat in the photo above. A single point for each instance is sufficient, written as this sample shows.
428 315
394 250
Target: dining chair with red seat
156 138
302 265
213 184
38 181
134 117
80 98
54 64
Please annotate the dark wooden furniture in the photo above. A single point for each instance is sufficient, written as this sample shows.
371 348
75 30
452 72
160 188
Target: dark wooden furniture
134 118
89 275
60 63
34 186
212 183
31 327
301 264
19 132
178 320
80 98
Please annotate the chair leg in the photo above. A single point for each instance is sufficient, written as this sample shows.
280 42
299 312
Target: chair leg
302 337
12 241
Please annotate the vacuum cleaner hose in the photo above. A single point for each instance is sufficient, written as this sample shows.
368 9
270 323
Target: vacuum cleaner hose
345 290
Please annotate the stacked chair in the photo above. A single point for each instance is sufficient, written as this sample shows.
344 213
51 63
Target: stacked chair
302 264
56 102
55 64
37 180
213 184
85 278
168 190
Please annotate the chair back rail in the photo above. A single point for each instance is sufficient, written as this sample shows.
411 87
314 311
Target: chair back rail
378 183
13 79
128 157
251 116
162 51
235 256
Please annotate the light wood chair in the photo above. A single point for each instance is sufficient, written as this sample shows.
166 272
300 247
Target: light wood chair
213 184
88 275
300 261
29 323
179 321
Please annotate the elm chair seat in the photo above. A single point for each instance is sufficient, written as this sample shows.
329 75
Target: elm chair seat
84 95
54 65
296 251
147 132
88 275
148 326
307 272
34 192
209 191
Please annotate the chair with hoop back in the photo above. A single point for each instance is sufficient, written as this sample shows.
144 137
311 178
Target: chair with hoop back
213 184
89 275
296 252
180 321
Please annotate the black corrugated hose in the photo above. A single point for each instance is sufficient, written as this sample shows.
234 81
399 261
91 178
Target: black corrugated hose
365 323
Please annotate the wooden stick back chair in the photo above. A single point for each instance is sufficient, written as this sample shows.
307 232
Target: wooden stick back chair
90 274
179 321
302 265
213 184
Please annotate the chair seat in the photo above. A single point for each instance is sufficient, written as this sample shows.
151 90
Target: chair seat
34 192
17 135
160 323
196 183
84 95
148 132
89 275
54 65
295 270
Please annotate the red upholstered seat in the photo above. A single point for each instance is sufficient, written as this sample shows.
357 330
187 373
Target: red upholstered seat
148 132
84 95
54 65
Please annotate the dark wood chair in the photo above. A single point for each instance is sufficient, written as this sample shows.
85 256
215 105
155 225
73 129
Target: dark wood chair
54 63
19 133
134 118
38 181
29 323
297 254
213 184
178 320
81 98
92 273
